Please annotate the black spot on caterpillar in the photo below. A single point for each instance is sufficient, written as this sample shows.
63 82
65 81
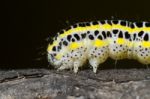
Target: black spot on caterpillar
96 41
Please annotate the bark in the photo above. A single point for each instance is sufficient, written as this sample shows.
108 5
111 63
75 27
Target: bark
51 84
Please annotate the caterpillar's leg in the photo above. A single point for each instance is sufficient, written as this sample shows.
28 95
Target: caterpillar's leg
79 57
76 66
67 64
61 68
94 62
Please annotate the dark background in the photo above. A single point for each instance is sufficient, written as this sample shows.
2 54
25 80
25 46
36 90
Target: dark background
27 24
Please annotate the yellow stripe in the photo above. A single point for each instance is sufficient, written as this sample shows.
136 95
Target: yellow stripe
90 28
72 46
100 43
95 27
130 30
79 29
120 27
49 48
120 41
59 56
146 29
145 44
75 45
106 27
55 43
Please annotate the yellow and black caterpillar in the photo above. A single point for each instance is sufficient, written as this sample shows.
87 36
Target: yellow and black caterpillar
96 41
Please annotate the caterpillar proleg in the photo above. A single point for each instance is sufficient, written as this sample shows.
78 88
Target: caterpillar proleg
95 41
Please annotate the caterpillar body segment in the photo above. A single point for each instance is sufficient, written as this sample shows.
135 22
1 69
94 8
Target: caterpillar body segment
94 42
119 42
141 42
98 49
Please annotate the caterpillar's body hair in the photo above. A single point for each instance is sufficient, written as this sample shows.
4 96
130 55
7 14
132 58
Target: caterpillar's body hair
98 40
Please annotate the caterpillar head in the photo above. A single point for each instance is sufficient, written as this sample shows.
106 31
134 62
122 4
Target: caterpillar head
51 57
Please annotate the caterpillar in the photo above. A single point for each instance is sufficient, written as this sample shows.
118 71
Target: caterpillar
95 41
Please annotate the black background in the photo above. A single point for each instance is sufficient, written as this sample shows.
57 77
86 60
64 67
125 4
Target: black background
27 24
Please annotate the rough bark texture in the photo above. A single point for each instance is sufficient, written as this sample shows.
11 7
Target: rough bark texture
51 84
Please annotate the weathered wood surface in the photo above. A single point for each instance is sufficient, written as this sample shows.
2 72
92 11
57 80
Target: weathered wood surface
51 84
